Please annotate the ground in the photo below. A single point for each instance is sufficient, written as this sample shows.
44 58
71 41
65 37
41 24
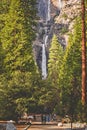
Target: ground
41 127
79 126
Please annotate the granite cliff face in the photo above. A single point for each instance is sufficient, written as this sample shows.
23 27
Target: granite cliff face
65 21
55 17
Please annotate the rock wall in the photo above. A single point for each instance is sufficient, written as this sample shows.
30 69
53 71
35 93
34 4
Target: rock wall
65 21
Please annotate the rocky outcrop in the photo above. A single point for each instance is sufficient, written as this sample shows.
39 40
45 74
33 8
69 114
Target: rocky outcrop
7 125
2 126
65 21
10 126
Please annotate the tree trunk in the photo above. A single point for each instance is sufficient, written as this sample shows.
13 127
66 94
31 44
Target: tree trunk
83 54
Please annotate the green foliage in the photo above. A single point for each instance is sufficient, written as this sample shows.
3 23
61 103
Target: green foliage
70 74
15 40
56 53
18 69
64 30
65 16
55 56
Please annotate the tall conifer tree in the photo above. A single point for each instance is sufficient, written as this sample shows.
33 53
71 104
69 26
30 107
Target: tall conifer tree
16 38
55 60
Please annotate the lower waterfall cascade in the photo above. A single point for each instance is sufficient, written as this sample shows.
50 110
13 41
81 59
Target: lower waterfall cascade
44 71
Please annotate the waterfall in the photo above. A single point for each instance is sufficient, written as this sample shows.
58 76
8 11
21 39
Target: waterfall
46 38
60 4
48 12
48 17
44 71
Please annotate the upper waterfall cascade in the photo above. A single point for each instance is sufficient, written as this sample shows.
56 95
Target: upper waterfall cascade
48 17
60 4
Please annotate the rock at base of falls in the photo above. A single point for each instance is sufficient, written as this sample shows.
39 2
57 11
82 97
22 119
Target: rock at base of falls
2 126
10 126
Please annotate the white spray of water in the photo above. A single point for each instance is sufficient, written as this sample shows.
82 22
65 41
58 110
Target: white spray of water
48 13
46 38
60 4
44 71
48 17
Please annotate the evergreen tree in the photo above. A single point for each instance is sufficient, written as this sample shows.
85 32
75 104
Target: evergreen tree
16 39
56 53
55 60
4 7
70 74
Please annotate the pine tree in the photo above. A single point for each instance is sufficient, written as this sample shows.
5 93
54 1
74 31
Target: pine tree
4 7
55 60
15 40
56 53
70 74
16 37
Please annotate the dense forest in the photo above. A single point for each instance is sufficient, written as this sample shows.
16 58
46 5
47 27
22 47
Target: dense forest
21 86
